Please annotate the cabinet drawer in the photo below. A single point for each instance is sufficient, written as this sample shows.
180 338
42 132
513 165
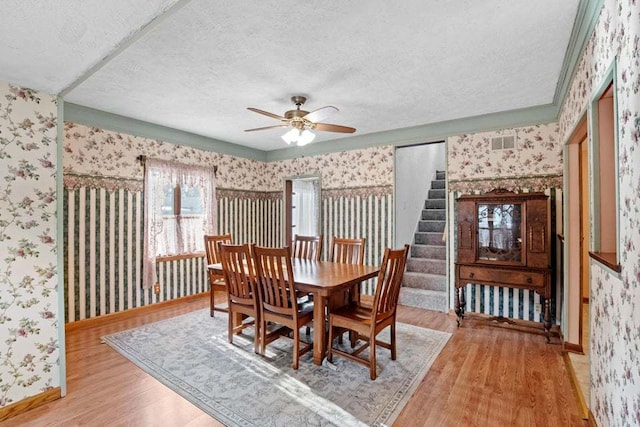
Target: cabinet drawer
502 277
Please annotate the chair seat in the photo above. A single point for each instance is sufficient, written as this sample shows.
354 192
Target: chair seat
305 307
354 312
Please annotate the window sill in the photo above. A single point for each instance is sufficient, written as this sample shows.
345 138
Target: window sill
608 259
168 258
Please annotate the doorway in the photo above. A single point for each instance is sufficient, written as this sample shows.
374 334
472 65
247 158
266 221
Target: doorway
302 207
579 243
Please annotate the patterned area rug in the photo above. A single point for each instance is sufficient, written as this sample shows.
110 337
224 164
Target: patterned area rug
190 354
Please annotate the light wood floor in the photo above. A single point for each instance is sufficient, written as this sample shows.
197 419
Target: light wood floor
485 376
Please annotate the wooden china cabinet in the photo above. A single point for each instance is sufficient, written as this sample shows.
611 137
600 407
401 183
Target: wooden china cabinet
503 240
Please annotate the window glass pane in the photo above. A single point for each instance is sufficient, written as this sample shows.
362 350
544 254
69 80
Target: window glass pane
191 202
167 200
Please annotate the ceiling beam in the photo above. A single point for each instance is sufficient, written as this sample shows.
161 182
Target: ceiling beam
124 44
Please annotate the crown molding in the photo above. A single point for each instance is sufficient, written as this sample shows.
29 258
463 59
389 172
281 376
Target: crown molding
586 18
97 118
425 133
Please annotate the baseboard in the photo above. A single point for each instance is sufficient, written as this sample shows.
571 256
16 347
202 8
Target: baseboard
573 348
515 324
133 312
582 404
29 403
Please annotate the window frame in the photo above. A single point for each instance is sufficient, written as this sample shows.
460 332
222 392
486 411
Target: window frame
604 258
157 174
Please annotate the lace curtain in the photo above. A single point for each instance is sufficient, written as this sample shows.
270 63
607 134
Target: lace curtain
171 233
305 215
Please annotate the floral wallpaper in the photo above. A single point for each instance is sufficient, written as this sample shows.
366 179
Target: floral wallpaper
28 295
368 167
92 152
615 300
537 153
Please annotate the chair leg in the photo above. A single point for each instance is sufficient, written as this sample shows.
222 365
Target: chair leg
296 349
231 327
393 341
330 343
372 357
263 337
256 343
212 302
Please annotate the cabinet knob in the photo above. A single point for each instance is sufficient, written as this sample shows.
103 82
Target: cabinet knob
471 274
529 280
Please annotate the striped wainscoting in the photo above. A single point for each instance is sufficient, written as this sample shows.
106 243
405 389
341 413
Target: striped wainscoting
360 212
103 245
251 216
103 239
497 300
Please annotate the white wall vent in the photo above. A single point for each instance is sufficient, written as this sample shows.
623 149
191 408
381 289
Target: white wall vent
503 142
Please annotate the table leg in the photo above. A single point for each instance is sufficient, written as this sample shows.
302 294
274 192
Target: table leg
319 338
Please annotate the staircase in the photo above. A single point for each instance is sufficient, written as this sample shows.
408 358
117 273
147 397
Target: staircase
425 281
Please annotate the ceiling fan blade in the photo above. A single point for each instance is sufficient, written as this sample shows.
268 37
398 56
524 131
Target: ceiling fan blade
333 128
267 127
320 113
266 113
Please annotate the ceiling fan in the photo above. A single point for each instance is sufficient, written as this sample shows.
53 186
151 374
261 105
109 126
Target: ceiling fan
302 122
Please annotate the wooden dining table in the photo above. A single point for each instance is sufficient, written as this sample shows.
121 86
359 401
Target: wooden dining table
323 279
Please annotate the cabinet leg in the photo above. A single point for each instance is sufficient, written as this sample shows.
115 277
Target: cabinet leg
547 318
459 304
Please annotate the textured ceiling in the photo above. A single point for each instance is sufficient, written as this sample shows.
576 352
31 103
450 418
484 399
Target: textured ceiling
384 66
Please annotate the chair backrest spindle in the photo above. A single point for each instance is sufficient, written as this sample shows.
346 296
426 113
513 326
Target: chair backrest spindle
239 272
275 274
307 247
389 282
347 251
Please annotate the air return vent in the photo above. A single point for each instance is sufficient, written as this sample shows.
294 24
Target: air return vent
503 142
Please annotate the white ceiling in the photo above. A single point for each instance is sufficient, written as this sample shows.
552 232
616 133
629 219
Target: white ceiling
385 65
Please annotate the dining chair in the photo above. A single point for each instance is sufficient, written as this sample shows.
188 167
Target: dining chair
279 299
216 281
307 247
369 321
242 295
346 251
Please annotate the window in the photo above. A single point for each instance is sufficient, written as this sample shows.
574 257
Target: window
605 183
179 209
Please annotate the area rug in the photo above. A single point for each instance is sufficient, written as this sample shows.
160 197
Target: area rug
191 355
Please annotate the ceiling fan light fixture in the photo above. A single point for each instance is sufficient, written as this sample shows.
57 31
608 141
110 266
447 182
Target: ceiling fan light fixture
292 136
306 137
302 122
